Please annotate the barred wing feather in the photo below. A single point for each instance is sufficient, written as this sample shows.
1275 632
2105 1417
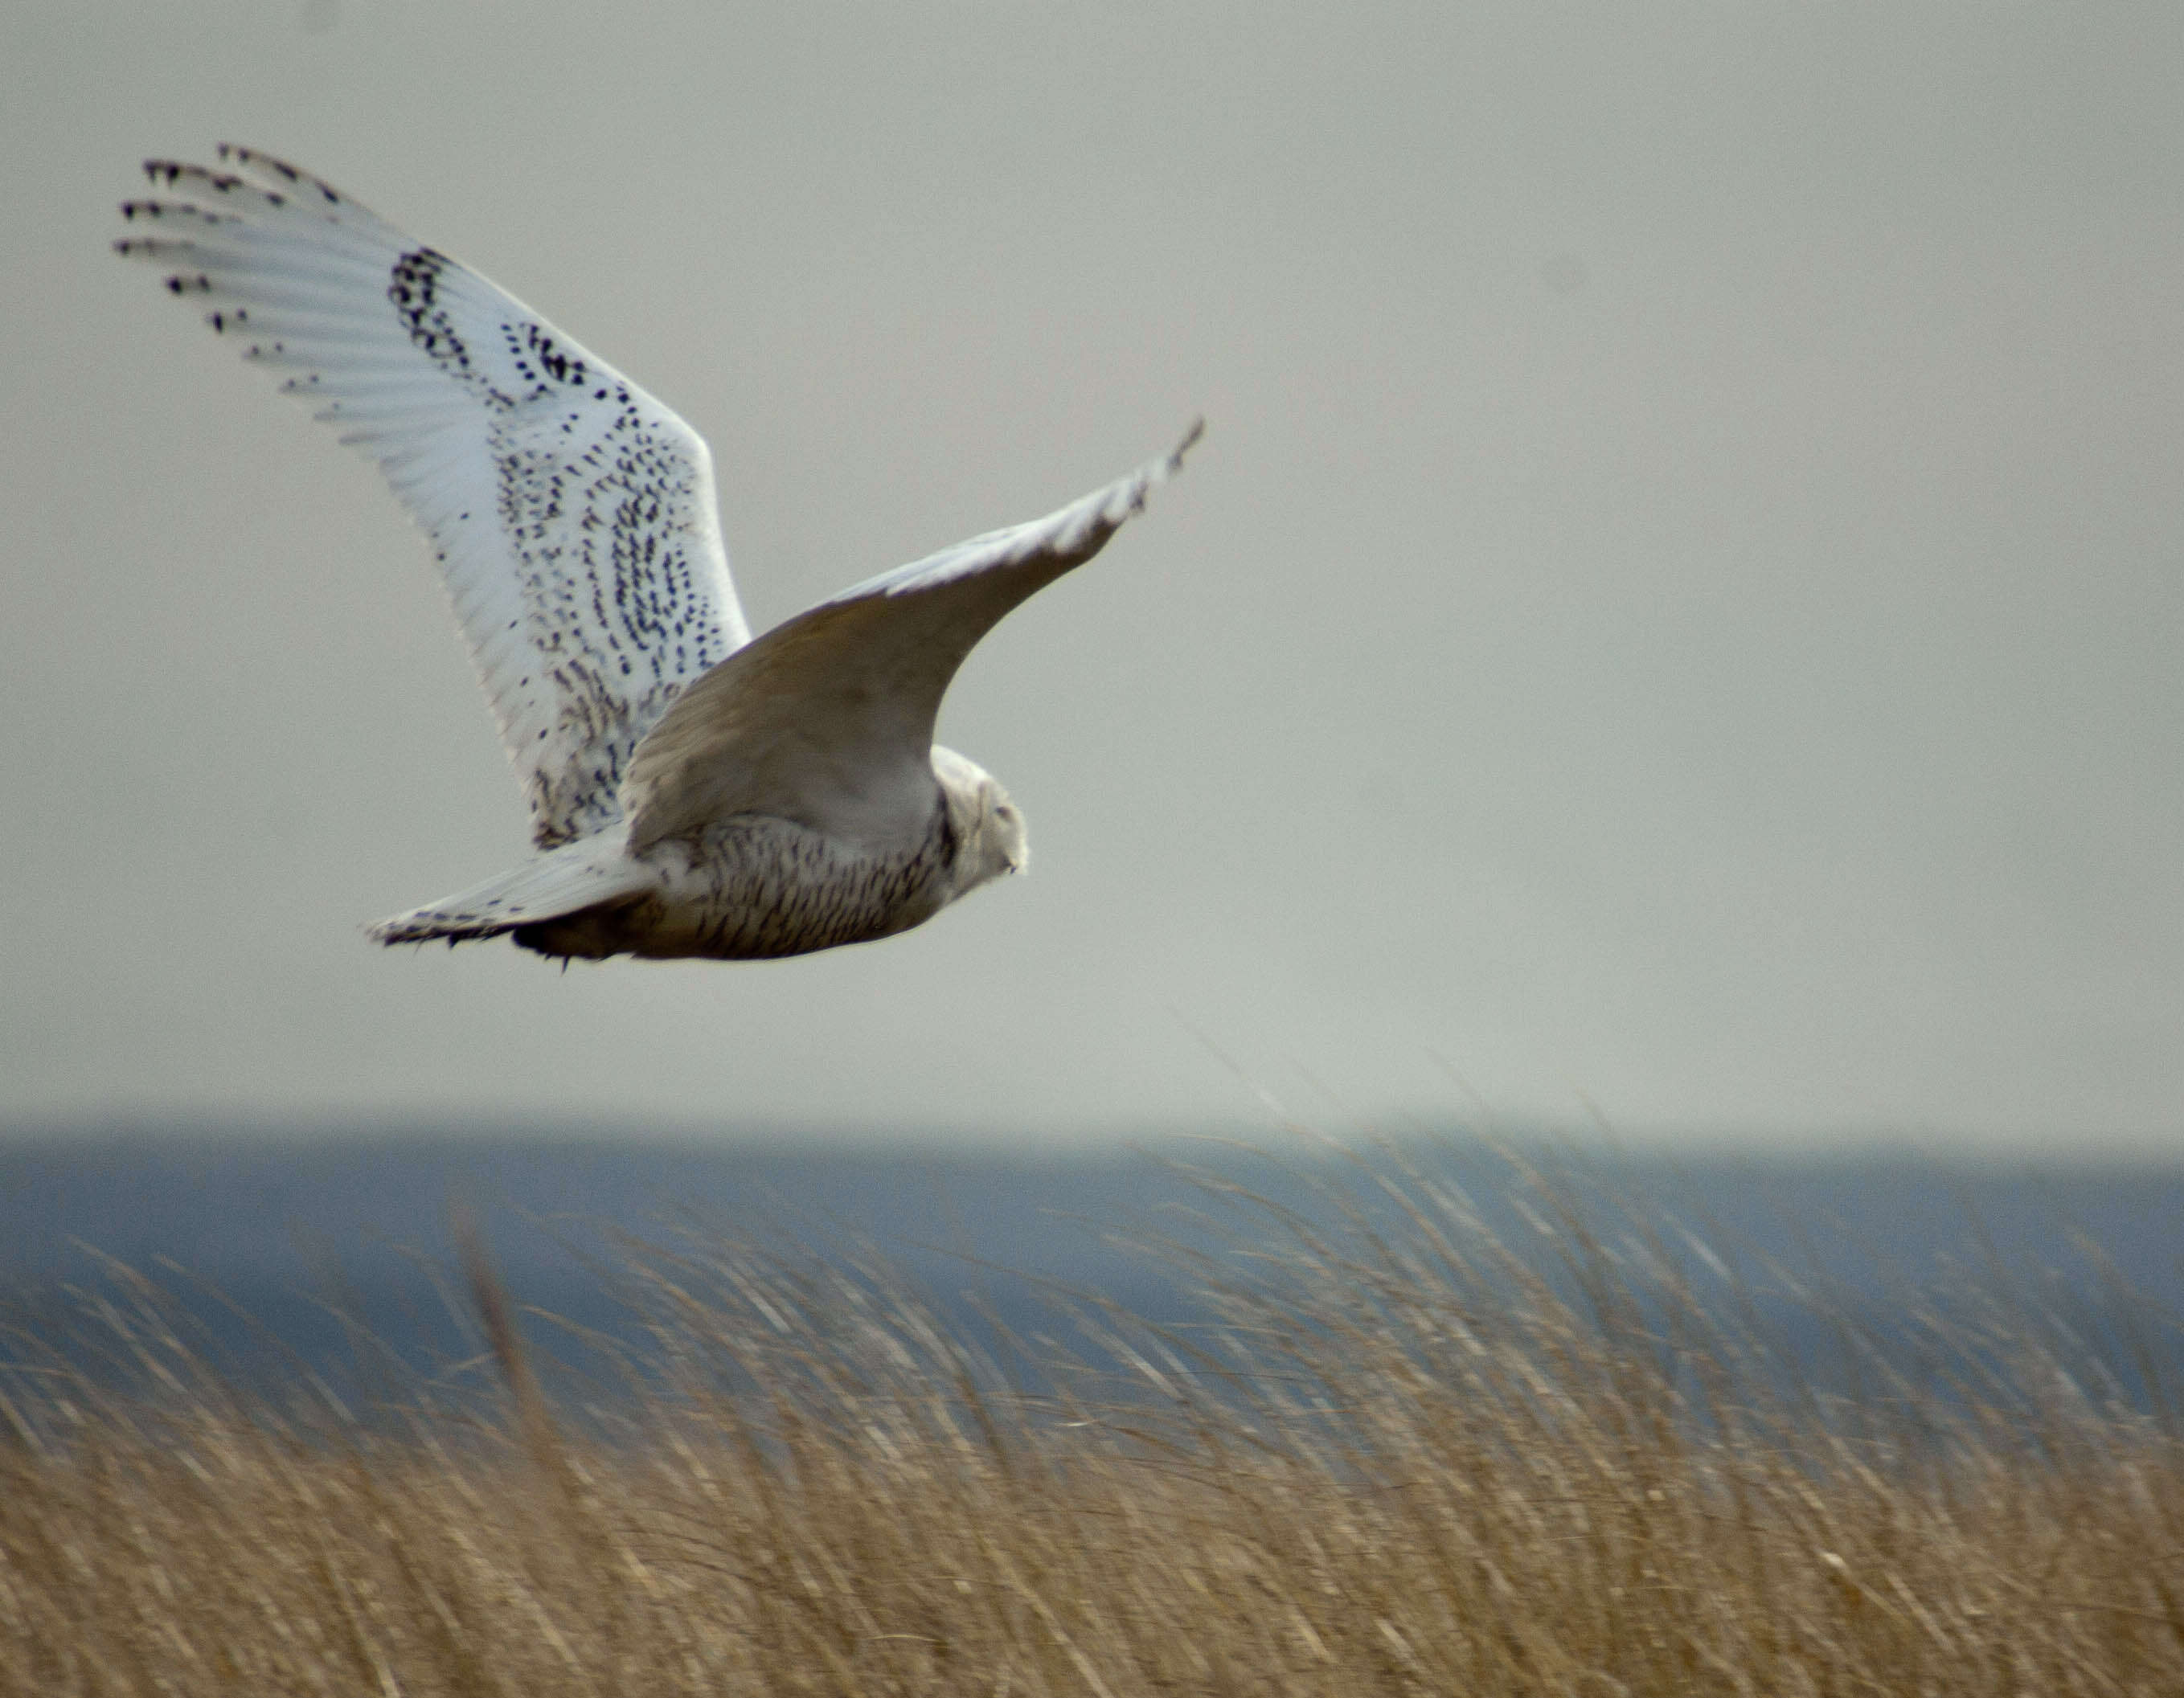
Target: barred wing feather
828 719
572 515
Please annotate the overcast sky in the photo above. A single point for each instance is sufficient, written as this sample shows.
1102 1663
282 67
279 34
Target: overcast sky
1679 607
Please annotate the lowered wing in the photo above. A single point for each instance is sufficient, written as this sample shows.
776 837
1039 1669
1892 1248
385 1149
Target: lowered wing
828 719
572 515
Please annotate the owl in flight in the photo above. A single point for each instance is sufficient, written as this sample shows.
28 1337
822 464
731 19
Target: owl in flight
694 791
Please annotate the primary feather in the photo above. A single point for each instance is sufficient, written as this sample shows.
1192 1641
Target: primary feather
694 793
571 513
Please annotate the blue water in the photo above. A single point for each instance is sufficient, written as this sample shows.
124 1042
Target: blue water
331 1257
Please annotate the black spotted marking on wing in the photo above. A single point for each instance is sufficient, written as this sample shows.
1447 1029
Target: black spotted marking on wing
618 620
599 531
542 352
413 291
280 168
609 577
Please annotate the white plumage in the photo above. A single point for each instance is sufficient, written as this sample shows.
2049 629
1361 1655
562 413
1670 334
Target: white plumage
692 792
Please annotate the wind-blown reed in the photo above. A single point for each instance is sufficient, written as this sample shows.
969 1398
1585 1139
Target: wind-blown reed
1405 1458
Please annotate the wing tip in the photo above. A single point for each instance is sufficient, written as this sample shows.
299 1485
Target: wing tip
1157 472
272 182
257 158
1173 463
1149 477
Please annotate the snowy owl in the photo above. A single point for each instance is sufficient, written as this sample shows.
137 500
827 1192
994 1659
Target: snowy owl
693 792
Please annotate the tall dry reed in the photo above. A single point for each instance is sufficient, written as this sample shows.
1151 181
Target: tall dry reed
1400 1457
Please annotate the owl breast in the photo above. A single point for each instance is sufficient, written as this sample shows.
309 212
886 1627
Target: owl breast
753 888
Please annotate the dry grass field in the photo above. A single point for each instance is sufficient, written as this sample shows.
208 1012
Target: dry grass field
1406 1461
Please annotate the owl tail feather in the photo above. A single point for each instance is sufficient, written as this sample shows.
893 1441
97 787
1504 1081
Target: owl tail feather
577 876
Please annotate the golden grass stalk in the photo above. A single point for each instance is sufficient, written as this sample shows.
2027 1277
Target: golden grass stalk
1404 1459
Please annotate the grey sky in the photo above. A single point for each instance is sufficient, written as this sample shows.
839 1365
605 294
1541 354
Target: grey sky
1679 604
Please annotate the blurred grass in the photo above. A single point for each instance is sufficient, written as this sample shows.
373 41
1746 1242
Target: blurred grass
1400 1456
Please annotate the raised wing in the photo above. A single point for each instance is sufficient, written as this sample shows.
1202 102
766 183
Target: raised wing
572 515
827 717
